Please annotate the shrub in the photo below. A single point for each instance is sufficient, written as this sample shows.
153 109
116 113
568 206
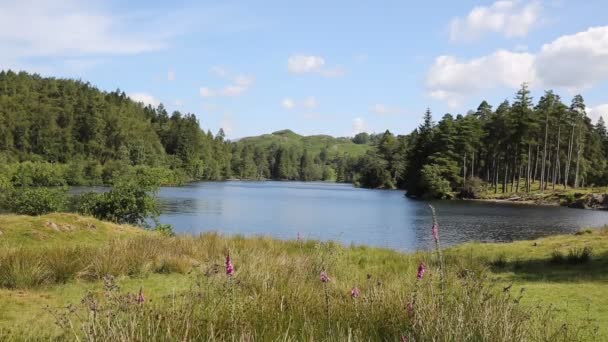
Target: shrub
584 232
579 255
474 187
433 182
575 256
37 201
129 201
499 262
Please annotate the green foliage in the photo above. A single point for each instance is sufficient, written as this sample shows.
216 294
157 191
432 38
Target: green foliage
474 187
36 201
128 201
433 183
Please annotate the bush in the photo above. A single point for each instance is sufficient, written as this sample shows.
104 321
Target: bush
435 186
37 201
575 256
474 187
129 201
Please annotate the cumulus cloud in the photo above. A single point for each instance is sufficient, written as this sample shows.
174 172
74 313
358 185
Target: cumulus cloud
382 109
300 64
308 103
576 61
359 126
69 28
450 80
303 64
144 98
511 18
571 62
288 103
596 111
238 84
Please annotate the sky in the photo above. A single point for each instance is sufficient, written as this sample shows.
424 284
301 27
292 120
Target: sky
316 67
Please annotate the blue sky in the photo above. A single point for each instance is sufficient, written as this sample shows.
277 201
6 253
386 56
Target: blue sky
317 67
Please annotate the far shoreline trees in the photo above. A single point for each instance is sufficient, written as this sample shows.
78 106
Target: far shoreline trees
57 132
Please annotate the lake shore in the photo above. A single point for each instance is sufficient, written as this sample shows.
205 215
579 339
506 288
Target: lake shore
55 271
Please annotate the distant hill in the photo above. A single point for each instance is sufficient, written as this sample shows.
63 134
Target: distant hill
314 144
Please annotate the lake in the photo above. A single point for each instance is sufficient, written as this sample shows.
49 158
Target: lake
340 212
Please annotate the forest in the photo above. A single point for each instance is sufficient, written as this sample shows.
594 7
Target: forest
57 132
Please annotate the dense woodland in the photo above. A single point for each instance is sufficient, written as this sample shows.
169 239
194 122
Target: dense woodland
67 132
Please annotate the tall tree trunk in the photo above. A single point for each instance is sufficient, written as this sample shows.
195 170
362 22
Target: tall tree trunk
504 183
514 167
542 173
464 169
536 162
528 167
556 168
473 166
518 176
567 171
579 150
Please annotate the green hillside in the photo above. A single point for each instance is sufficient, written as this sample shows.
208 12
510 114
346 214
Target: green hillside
315 144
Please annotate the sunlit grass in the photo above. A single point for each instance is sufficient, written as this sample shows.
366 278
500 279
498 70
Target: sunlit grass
276 292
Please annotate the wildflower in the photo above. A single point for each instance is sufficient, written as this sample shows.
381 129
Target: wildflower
229 266
355 292
421 270
403 339
140 297
324 277
436 231
409 307
299 237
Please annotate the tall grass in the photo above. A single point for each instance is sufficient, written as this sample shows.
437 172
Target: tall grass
275 293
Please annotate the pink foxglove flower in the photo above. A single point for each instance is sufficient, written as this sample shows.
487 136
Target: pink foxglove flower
421 270
324 277
229 266
436 232
140 297
299 237
355 292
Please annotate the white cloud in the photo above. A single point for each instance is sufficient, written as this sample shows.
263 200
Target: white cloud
382 109
238 85
302 64
144 98
68 28
310 103
511 18
359 125
596 111
452 80
576 61
288 103
170 75
299 64
178 103
232 90
571 62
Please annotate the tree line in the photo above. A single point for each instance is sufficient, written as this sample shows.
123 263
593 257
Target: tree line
67 132
517 147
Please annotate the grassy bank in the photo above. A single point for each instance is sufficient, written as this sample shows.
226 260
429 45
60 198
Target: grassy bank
67 282
588 197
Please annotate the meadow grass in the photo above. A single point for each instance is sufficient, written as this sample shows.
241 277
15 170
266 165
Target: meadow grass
70 291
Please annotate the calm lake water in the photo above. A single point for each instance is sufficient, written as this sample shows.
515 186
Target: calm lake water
361 216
